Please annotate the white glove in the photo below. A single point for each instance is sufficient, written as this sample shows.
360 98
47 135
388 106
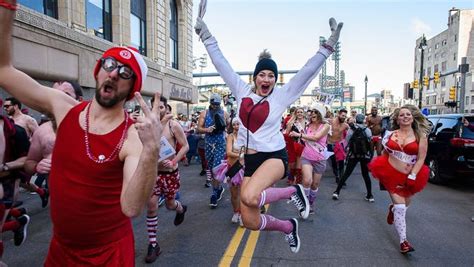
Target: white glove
201 29
335 31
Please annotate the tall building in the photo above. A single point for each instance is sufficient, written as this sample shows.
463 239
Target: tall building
443 54
62 40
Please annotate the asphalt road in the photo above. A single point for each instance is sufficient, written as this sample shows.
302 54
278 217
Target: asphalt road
347 232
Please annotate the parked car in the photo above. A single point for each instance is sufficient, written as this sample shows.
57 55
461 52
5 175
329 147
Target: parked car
451 147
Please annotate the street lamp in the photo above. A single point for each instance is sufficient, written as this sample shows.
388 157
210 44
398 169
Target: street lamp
365 98
422 46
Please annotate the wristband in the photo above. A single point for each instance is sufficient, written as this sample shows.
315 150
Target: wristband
6 5
412 176
5 167
328 47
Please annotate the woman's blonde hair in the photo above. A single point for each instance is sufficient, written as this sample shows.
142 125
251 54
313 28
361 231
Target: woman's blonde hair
420 124
293 116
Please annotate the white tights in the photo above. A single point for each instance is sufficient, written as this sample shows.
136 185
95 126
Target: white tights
399 211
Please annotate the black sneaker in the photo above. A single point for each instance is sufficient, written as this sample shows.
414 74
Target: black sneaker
202 173
220 193
301 201
179 218
213 202
19 235
292 238
263 210
45 198
335 196
370 199
153 253
208 183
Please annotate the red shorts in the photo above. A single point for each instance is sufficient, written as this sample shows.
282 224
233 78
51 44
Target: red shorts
118 253
394 181
167 184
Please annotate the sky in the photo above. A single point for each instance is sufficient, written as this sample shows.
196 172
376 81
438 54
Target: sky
378 38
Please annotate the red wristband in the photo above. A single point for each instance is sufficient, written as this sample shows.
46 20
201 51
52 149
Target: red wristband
328 47
6 5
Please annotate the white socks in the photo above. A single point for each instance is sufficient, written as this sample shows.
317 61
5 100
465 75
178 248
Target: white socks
399 211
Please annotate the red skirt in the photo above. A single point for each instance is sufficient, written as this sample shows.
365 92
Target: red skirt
396 182
119 253
298 149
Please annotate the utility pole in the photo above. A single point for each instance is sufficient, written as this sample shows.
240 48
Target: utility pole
421 47
463 69
365 96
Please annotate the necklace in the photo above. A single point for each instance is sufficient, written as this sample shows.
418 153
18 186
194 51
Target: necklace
101 158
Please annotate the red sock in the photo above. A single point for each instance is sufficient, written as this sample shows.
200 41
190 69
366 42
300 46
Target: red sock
40 191
298 176
14 212
1 249
10 226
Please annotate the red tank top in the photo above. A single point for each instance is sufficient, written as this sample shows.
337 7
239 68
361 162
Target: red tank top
85 195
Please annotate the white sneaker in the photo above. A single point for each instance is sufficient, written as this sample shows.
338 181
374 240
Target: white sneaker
235 218
241 223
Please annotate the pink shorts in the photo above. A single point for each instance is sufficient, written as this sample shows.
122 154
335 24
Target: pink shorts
167 184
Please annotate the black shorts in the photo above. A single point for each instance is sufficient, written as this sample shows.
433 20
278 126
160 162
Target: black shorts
8 191
253 161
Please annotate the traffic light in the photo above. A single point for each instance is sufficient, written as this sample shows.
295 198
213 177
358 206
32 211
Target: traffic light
426 81
452 93
415 84
436 77
282 80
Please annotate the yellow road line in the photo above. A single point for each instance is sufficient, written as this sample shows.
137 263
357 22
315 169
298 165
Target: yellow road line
249 249
229 253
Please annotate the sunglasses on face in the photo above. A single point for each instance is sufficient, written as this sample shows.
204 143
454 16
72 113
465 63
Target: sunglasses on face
109 64
6 106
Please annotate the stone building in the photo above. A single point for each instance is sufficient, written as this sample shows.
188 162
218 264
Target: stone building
62 40
443 53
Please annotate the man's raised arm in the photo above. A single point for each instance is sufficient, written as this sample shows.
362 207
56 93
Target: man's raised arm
17 83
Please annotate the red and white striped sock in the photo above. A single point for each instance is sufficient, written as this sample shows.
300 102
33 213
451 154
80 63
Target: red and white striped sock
152 226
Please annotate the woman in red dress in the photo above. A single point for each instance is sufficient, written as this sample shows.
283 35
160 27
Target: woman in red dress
401 168
296 123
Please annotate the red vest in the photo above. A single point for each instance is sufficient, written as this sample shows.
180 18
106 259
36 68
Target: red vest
85 195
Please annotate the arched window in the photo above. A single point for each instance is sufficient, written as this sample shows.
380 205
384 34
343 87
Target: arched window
138 25
47 7
99 18
173 34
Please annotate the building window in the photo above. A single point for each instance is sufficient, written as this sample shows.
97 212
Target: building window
436 46
47 7
99 18
443 81
467 100
138 25
445 42
455 38
443 66
472 98
429 71
173 34
454 56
